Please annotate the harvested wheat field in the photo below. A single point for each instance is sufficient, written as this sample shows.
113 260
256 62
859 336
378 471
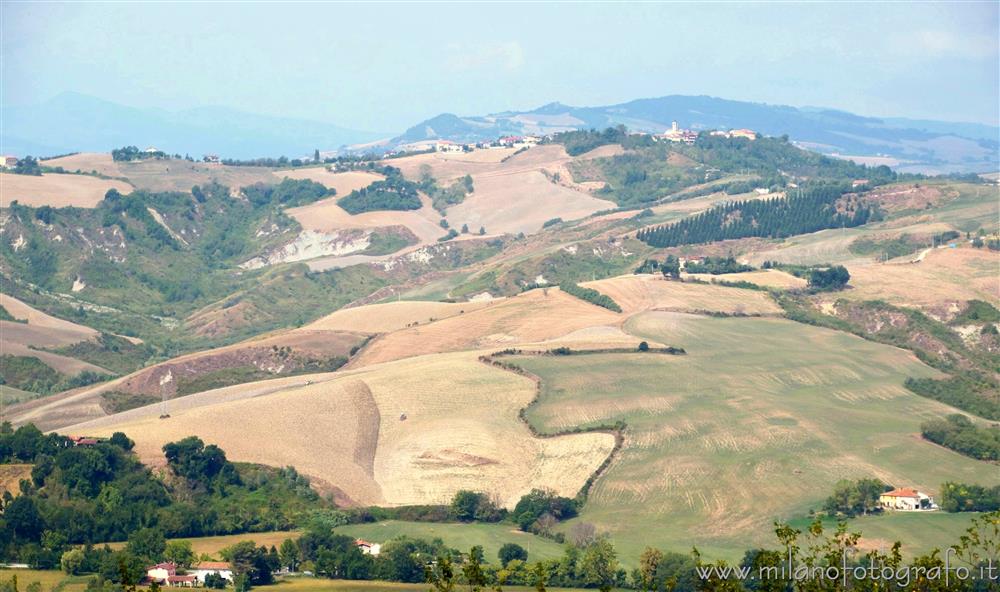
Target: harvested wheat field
385 434
343 183
521 202
768 278
87 162
391 316
446 166
943 276
531 317
56 190
181 175
757 421
635 293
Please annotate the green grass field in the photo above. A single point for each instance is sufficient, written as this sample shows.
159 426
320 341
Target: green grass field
756 423
53 579
920 532
321 584
459 536
49 579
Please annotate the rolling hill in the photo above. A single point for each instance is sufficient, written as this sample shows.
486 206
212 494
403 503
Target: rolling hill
917 145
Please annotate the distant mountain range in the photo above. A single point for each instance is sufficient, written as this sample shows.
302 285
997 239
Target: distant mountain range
75 122
72 122
934 146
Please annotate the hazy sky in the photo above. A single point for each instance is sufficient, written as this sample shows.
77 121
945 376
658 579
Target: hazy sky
383 67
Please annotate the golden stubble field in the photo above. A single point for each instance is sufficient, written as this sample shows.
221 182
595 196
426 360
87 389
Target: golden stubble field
407 432
57 190
639 292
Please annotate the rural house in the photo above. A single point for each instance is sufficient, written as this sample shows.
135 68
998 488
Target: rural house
203 569
367 548
165 574
906 498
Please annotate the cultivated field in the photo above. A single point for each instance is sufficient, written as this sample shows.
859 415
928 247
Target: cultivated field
49 579
87 162
521 202
635 293
533 316
56 190
343 183
446 166
381 435
768 278
181 175
42 331
459 536
756 422
920 533
392 316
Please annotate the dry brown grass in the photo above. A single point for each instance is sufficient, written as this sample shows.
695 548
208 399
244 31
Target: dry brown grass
11 476
58 191
384 434
945 276
391 316
531 317
85 404
635 293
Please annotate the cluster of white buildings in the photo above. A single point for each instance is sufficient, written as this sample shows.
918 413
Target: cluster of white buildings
736 133
502 142
166 574
677 134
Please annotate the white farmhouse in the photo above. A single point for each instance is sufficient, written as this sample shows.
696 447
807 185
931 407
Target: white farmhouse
203 569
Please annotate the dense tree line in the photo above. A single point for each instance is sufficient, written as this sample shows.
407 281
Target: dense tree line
130 153
969 391
964 497
961 435
392 193
443 197
581 141
590 295
86 494
288 193
854 498
830 278
716 266
815 209
27 166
